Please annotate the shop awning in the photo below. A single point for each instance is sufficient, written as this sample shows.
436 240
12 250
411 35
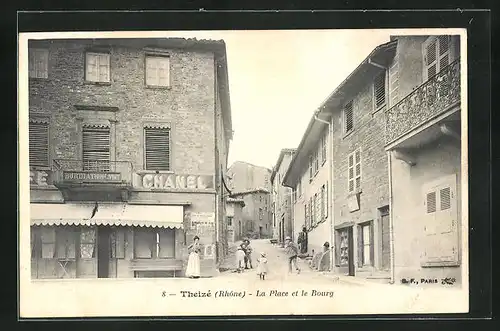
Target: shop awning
108 214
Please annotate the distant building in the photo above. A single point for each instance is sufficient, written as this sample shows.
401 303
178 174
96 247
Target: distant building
234 219
257 213
425 157
245 176
282 198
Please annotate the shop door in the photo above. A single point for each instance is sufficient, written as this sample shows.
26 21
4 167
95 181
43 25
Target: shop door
345 251
103 251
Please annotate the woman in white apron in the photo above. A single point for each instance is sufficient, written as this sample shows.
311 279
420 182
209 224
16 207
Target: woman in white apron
193 265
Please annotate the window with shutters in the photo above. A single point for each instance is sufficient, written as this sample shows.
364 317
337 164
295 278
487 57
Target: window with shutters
39 144
157 71
311 171
157 149
323 148
38 63
437 55
379 95
348 117
306 214
354 171
440 222
317 204
323 202
97 67
96 148
312 211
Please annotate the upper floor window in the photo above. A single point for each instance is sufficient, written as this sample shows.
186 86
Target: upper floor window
354 171
348 117
323 148
379 95
261 214
157 71
96 150
229 220
39 144
97 67
157 149
38 63
436 55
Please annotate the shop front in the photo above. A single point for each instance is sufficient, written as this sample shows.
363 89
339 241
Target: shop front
106 240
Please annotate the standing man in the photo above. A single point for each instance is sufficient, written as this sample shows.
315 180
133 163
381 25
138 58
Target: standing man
248 252
291 251
302 241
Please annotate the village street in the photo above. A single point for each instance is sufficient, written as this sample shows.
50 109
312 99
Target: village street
278 267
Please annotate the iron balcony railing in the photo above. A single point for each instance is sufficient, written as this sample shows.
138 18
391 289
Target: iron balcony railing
119 172
437 95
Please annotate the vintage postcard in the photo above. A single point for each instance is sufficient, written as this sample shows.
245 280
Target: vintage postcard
200 173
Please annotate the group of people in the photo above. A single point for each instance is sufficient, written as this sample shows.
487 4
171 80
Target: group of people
244 260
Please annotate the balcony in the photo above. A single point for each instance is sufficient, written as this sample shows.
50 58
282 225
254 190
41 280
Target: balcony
93 180
437 96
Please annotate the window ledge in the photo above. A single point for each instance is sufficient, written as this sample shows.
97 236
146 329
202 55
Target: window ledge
154 172
88 82
347 134
155 87
38 79
440 264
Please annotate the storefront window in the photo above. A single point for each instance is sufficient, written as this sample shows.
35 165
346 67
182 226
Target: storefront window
65 240
154 243
48 238
87 243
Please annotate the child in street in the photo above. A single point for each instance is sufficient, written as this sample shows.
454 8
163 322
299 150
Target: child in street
262 266
240 259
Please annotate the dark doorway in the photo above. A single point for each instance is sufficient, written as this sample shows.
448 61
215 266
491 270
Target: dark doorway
260 232
103 251
351 251
282 229
385 228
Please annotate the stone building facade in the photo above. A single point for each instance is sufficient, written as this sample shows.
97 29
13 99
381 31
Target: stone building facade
234 218
128 144
282 198
257 213
244 176
425 156
359 196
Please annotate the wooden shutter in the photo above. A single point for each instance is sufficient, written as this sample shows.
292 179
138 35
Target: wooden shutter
104 68
118 244
357 173
326 200
96 149
91 70
38 63
444 51
430 59
310 167
379 90
348 117
39 144
48 240
151 71
441 234
351 172
157 142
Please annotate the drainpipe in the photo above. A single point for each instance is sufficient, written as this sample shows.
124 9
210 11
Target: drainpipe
391 219
330 188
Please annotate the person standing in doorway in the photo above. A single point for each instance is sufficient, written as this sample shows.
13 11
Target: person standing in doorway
302 241
292 251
